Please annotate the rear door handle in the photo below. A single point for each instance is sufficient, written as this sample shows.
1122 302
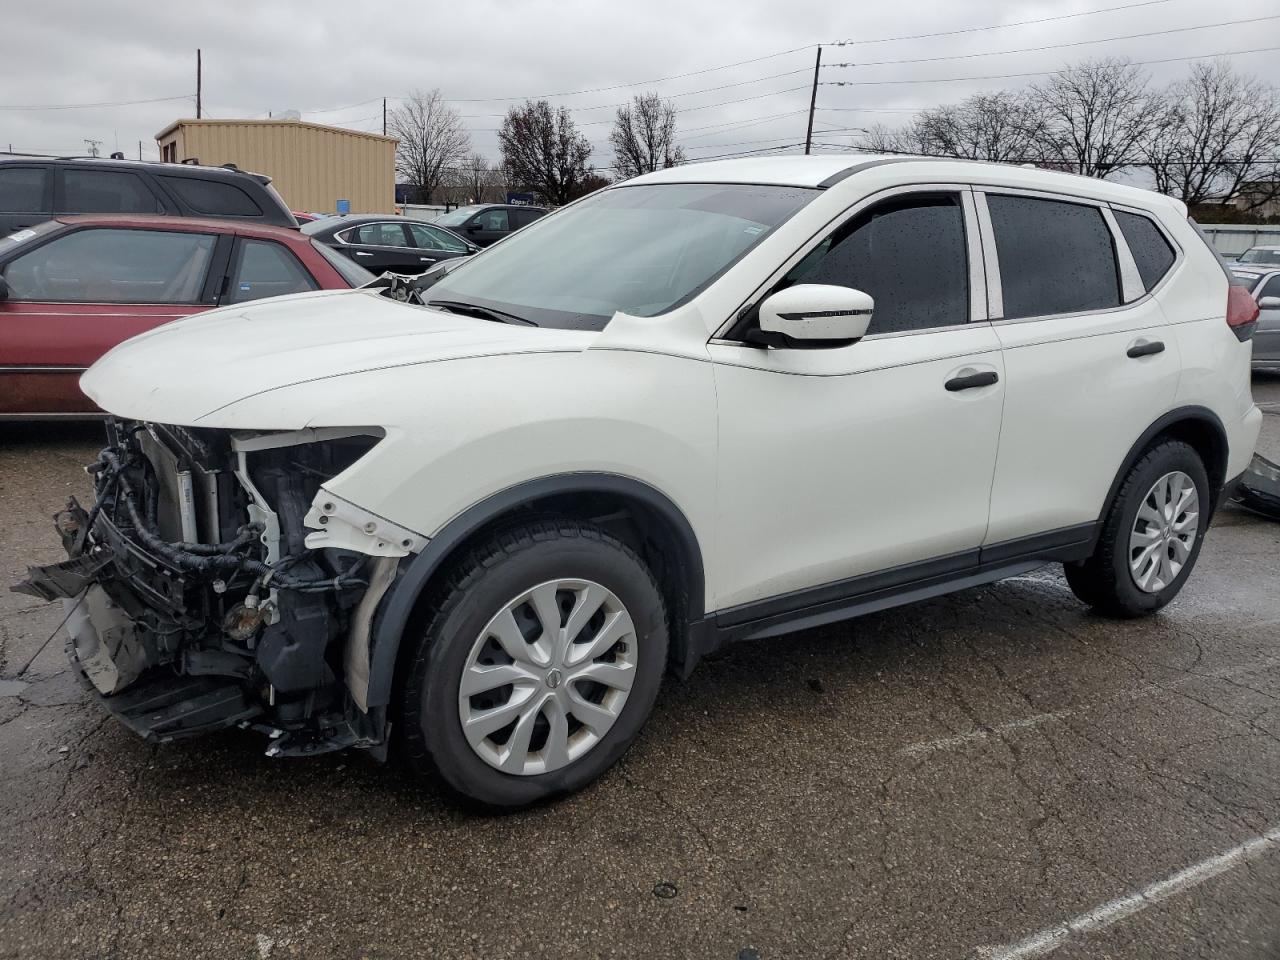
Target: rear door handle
971 381
361 253
1146 348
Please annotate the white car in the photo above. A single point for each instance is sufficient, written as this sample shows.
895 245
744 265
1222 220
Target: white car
723 401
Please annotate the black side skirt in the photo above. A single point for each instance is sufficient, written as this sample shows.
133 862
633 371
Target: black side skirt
894 587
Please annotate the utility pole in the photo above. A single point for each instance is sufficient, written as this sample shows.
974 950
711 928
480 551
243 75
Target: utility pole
93 146
200 91
139 149
813 102
384 116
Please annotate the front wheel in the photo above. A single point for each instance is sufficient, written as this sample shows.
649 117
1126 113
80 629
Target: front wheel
1151 536
539 666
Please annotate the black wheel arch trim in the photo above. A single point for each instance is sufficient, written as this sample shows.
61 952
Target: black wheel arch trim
397 606
1174 417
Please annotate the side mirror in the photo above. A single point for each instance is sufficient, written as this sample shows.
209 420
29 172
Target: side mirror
820 314
1266 303
473 227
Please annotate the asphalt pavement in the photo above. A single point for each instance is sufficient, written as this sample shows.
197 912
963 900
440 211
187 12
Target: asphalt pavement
994 774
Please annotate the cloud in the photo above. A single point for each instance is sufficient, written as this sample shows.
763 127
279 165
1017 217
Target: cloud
317 57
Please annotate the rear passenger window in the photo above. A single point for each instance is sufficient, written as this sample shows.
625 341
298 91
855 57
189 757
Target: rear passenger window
213 198
22 190
909 254
106 191
1055 257
1151 251
265 268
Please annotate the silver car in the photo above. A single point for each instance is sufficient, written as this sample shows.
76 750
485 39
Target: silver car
1262 280
1264 256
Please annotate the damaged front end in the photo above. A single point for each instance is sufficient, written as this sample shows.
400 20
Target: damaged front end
214 583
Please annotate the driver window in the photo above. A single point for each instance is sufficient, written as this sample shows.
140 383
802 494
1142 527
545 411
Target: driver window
909 253
493 220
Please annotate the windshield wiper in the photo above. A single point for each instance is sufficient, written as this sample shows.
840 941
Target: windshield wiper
484 313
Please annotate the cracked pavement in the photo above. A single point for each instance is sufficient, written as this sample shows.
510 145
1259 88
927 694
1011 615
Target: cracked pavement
925 782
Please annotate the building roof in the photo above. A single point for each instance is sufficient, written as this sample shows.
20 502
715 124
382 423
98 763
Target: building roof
272 122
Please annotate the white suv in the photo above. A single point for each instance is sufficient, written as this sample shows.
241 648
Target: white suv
723 401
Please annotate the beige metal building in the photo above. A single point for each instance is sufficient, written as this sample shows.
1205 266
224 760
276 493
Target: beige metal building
313 166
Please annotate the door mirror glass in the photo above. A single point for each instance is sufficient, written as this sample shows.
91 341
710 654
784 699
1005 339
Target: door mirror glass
816 311
1269 303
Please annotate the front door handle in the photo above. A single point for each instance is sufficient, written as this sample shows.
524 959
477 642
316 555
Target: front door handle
1145 348
361 253
971 381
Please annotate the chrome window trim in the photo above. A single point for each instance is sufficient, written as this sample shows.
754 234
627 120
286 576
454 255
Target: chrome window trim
960 189
978 308
372 223
1131 288
990 258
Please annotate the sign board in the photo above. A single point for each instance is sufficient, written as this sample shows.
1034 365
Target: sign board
343 208
522 199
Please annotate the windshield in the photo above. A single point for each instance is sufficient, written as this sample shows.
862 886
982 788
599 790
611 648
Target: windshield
1261 255
353 273
640 250
457 218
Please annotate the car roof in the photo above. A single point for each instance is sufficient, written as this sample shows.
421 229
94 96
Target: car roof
182 224
826 170
169 169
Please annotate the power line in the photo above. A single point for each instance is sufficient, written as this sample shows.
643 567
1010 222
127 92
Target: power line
996 26
86 106
636 83
1057 46
1039 73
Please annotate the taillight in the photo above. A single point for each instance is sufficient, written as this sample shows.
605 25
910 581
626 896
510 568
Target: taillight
1242 312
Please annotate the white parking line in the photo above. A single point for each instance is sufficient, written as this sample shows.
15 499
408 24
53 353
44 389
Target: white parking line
1046 941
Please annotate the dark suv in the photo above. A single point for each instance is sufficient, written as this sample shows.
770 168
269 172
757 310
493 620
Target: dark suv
490 222
32 191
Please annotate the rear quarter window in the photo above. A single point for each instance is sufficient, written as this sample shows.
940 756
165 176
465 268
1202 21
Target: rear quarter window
1151 251
213 197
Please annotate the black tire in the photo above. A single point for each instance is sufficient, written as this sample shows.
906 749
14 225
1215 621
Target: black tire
1104 580
484 581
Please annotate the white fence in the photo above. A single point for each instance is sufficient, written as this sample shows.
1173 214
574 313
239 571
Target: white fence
1233 239
423 211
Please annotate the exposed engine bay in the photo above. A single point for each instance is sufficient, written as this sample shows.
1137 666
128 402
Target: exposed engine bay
213 584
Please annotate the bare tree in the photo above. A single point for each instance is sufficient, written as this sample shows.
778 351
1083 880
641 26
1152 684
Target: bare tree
1218 138
643 137
1098 114
1003 126
543 152
432 141
882 139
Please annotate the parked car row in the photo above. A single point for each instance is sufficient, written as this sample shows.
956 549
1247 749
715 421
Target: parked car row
93 252
73 287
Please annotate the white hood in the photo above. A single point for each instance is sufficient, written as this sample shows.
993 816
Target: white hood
185 370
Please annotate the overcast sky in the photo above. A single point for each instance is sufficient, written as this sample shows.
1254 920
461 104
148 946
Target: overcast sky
334 61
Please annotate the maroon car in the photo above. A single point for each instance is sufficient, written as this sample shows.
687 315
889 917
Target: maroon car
74 287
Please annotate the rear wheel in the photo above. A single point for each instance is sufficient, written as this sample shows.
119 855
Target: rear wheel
539 667
1151 536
